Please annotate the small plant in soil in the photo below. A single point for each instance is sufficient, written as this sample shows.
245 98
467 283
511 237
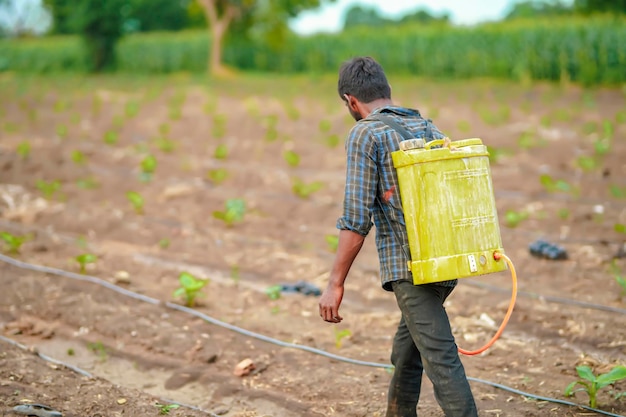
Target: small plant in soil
512 218
164 243
84 260
620 228
551 185
23 149
587 163
620 278
217 176
325 126
274 291
131 109
165 145
221 152
332 241
62 131
12 242
617 191
292 158
591 383
164 409
136 200
78 157
219 126
110 137
99 349
235 209
340 335
304 190
332 141
190 288
235 275
48 188
147 166
87 183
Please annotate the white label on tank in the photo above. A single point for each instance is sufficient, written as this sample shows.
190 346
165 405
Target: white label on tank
472 262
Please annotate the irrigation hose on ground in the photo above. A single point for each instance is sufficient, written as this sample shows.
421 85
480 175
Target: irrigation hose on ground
150 300
498 256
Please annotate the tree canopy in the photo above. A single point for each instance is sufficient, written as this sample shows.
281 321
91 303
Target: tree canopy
371 17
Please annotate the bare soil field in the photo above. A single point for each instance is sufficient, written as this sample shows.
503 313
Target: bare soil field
112 340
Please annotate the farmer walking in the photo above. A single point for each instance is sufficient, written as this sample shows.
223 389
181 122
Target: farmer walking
423 340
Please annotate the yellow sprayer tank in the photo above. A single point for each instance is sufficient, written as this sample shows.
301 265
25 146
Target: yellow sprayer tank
449 209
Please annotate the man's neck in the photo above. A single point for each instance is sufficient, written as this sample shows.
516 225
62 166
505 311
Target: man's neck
373 105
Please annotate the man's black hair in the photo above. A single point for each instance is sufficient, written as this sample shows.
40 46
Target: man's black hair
363 78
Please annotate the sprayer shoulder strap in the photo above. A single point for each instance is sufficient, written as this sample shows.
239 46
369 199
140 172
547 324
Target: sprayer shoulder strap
406 135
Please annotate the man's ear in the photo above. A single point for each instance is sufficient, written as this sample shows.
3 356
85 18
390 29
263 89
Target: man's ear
351 101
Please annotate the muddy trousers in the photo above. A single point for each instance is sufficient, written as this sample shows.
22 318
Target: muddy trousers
424 342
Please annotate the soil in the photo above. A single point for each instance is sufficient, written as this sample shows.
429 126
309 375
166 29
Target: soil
121 341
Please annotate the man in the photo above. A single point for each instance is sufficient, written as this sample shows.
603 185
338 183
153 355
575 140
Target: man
423 340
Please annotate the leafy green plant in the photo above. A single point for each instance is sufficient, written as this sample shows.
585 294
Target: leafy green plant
110 137
165 144
602 146
12 242
551 185
325 126
620 228
99 349
591 383
292 158
587 163
48 188
235 209
87 183
513 218
131 109
221 152
304 190
164 243
274 292
619 277
219 125
85 259
340 335
136 200
147 166
332 242
78 157
617 191
62 131
332 141
23 149
217 176
495 154
164 409
190 288
563 214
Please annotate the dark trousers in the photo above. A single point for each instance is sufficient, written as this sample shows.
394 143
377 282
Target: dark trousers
424 342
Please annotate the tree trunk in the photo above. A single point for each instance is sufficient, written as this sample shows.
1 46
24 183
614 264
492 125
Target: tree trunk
218 25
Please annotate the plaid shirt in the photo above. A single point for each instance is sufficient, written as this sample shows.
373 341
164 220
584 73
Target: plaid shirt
370 173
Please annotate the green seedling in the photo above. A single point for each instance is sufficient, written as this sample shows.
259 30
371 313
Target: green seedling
608 129
235 274
136 200
164 129
271 134
11 127
147 166
175 113
12 242
617 191
292 158
99 349
23 149
591 383
332 242
87 184
495 154
217 176
587 163
274 292
304 190
619 277
111 137
551 185
620 228
235 209
513 218
62 131
602 146
190 287
131 109
340 335
164 243
219 126
325 126
70 352
164 409
332 141
221 152
563 214
118 121
48 188
85 259
165 145
78 157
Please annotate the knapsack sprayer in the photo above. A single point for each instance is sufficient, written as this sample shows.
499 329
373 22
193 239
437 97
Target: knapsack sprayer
450 212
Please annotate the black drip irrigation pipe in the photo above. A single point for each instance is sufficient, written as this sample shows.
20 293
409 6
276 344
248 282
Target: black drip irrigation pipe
178 307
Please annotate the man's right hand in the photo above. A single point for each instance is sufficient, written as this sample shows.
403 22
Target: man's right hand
330 302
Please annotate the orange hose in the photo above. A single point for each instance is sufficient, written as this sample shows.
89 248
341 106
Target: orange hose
497 256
